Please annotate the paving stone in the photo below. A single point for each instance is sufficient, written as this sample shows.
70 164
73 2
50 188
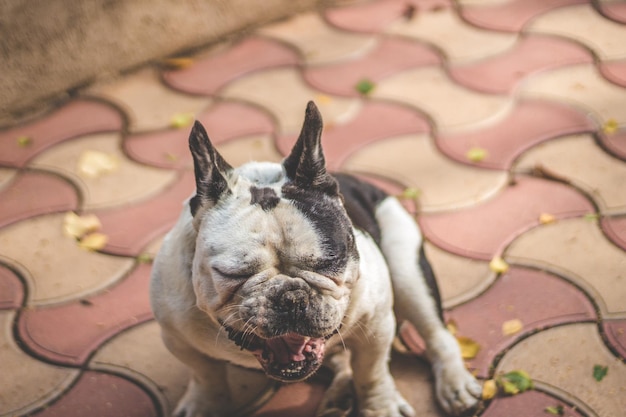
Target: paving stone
11 289
483 230
147 103
170 148
392 55
577 249
431 90
7 175
69 333
33 193
579 160
582 23
528 404
248 149
53 265
102 395
530 122
510 16
300 399
538 299
614 71
614 143
283 93
614 9
208 74
412 160
615 331
615 229
375 121
104 190
317 42
502 73
458 41
32 383
76 118
562 359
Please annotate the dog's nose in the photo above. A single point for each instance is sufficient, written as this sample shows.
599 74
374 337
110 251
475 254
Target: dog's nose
295 301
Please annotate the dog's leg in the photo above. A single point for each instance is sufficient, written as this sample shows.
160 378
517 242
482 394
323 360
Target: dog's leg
339 400
456 389
207 394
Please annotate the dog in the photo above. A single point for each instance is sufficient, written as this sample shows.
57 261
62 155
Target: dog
284 267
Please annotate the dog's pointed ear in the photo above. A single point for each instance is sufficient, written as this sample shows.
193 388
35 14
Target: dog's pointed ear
211 170
305 166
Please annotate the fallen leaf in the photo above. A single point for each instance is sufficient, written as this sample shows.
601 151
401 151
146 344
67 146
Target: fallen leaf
452 327
323 99
94 241
145 258
515 382
365 86
556 410
511 327
498 265
591 217
171 157
410 193
476 154
469 348
610 126
490 389
177 63
93 164
599 372
546 218
509 388
78 226
180 120
24 141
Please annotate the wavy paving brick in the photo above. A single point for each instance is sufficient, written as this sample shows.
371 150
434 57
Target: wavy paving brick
413 160
510 16
375 121
54 267
170 148
614 71
615 229
283 93
102 395
11 289
562 359
250 148
584 24
615 333
458 41
148 103
581 86
500 74
529 123
483 230
34 193
317 42
529 403
68 334
601 176
208 74
104 190
431 90
30 383
536 298
577 249
392 55
614 143
76 118
7 175
614 9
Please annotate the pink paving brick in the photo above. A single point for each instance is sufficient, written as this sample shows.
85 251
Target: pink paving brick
482 231
615 143
76 118
533 53
208 75
614 71
528 404
102 395
615 229
615 10
375 121
391 56
530 122
615 331
511 16
70 333
11 289
170 149
35 193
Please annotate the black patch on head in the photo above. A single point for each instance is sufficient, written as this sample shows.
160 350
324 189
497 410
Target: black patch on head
264 197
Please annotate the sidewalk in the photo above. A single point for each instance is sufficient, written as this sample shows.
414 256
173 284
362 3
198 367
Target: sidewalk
501 123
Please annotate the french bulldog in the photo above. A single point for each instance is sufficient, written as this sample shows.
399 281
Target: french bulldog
285 267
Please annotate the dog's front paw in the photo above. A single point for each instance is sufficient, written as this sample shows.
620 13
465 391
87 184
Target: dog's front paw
392 406
457 390
196 403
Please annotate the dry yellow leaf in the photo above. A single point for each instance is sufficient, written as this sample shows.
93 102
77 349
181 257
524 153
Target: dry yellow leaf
610 126
510 327
452 327
498 265
180 120
490 389
178 63
476 154
94 241
546 218
93 164
78 226
469 347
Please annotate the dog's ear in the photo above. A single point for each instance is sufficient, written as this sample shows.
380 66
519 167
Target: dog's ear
211 170
305 166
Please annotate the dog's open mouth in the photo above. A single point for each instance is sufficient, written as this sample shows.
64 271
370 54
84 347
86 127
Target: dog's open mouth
288 358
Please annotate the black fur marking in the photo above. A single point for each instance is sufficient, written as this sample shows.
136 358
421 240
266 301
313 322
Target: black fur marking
429 276
264 197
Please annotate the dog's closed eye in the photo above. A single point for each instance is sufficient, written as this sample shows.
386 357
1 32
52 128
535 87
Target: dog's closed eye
236 275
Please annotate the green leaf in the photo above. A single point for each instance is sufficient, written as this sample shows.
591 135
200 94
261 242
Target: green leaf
365 86
476 154
410 193
555 410
514 382
599 372
24 141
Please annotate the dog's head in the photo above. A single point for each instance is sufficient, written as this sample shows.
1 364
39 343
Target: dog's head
275 255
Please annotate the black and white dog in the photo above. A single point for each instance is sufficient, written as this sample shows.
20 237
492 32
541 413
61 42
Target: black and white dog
272 265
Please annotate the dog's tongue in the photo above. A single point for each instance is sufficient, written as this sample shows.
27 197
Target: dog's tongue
292 347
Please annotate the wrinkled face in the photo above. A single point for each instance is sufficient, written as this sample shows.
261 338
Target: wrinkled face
274 264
